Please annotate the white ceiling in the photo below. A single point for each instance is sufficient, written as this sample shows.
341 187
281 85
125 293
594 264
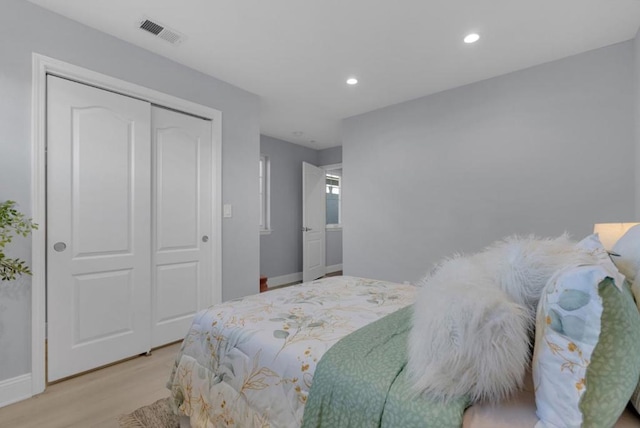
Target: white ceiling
297 54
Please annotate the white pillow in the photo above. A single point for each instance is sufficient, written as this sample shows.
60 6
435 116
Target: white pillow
628 250
592 243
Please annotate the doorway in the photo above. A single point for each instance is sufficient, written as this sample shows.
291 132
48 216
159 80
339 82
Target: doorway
334 193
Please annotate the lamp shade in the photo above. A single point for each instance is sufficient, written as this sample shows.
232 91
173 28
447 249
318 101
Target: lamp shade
609 233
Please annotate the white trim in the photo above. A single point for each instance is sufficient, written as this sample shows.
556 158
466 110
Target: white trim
38 213
284 279
277 281
15 389
333 227
216 218
332 166
265 199
41 66
334 268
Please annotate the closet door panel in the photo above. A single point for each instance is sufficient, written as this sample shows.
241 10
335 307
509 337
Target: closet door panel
181 222
177 185
174 300
100 297
102 195
98 234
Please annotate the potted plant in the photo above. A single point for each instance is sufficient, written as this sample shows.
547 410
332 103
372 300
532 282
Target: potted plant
12 222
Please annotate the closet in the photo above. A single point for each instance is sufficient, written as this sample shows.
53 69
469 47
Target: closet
129 201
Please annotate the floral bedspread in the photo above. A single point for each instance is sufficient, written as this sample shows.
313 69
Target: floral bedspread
362 381
250 362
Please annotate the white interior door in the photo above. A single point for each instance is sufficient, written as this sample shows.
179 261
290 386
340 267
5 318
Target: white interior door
313 222
182 261
98 234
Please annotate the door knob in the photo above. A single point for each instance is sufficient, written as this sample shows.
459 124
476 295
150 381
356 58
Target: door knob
59 246
205 238
306 229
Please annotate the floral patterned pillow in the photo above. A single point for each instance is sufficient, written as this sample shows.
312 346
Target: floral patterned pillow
586 361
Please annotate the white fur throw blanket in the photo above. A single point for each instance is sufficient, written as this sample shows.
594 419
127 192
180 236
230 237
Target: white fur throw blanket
474 316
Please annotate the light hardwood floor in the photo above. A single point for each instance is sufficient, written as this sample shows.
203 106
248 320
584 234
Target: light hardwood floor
96 399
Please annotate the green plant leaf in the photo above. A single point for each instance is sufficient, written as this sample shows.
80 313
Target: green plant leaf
12 222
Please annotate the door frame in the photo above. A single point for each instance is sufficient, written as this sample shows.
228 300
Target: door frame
41 66
327 169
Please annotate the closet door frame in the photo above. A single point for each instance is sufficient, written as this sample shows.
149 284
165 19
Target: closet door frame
41 67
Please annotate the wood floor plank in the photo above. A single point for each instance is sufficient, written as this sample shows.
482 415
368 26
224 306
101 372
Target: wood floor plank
96 399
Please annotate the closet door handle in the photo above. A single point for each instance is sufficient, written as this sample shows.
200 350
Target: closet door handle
205 238
59 246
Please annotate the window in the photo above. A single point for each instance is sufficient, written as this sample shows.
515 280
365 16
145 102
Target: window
334 195
264 195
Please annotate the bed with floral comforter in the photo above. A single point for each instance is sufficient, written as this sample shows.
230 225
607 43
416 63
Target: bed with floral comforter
250 362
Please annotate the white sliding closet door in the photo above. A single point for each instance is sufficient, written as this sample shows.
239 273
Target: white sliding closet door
98 233
182 256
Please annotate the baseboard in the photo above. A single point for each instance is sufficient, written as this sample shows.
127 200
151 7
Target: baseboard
334 268
276 281
15 389
284 279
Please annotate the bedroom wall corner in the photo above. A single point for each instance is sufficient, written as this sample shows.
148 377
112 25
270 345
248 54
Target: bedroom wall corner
330 156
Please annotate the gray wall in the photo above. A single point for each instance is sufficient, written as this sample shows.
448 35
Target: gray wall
334 247
543 150
281 251
26 28
330 156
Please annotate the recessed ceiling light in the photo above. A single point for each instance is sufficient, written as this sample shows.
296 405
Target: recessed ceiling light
472 38
352 81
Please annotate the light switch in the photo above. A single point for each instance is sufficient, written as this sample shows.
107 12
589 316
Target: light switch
227 211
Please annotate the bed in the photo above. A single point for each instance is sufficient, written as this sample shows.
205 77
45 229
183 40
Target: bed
251 362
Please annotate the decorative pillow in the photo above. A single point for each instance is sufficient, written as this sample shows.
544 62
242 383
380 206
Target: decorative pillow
627 259
586 361
474 314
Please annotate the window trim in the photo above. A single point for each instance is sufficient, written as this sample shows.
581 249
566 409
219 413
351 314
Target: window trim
264 222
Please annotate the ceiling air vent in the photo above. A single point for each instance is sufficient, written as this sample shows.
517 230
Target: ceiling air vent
161 31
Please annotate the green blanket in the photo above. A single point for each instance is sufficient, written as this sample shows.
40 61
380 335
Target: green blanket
362 382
